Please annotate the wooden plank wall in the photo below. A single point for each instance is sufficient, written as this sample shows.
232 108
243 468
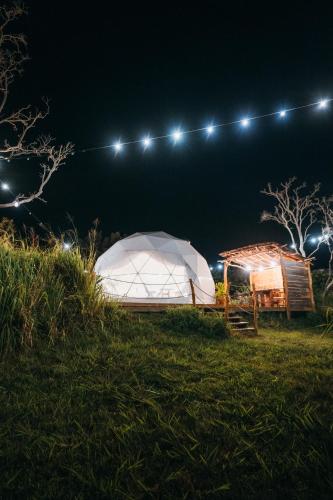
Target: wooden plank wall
299 293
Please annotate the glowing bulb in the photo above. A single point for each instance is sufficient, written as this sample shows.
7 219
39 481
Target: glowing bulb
5 186
209 129
322 104
118 146
146 142
219 266
211 268
245 122
273 263
282 113
177 135
260 268
248 268
293 246
314 240
66 246
16 204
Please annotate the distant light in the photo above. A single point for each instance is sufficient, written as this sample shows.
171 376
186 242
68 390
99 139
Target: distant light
211 268
283 113
219 266
177 135
245 122
16 204
118 146
293 246
323 103
66 246
314 240
248 268
5 186
146 142
210 129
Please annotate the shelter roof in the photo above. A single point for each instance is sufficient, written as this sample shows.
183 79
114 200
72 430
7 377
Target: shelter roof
259 254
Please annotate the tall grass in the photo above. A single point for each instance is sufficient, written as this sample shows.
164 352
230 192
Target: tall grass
44 290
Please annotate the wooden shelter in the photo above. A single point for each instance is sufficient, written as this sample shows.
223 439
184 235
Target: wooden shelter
279 279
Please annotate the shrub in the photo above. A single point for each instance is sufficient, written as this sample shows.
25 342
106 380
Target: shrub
44 292
188 320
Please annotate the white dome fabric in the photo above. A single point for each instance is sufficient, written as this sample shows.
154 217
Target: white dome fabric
155 268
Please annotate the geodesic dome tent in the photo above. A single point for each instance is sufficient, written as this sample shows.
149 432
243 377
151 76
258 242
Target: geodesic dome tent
155 267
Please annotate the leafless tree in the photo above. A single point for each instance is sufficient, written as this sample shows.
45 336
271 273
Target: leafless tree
325 206
18 126
296 209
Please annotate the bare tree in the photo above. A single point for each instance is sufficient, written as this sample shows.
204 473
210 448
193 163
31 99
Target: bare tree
17 126
325 206
296 210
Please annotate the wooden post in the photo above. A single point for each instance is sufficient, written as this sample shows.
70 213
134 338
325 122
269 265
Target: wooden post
192 291
285 286
308 265
255 307
226 288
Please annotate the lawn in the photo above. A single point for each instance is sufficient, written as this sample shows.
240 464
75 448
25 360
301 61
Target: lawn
147 413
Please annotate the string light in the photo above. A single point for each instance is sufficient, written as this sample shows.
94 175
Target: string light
16 204
5 186
177 135
146 141
248 268
118 146
293 246
219 266
323 103
66 246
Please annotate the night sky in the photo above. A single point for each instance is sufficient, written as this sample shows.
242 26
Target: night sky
119 71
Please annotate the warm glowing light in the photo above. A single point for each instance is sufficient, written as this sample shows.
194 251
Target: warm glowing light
282 113
245 122
118 146
322 104
177 135
5 186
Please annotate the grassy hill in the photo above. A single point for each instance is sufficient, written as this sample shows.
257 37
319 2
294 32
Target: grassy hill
145 412
95 403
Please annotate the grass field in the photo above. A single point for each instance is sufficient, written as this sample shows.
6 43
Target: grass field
143 412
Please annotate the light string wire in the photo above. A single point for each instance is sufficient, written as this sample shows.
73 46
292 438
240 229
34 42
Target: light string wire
209 128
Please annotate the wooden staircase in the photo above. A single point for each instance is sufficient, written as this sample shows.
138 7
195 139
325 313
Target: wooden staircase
241 326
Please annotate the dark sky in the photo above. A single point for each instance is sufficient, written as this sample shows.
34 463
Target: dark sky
119 70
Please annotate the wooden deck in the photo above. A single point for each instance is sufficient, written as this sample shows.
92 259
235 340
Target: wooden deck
155 307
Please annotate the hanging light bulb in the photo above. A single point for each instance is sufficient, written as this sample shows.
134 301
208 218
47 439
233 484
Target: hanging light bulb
322 104
118 146
245 122
282 114
146 141
210 129
177 135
